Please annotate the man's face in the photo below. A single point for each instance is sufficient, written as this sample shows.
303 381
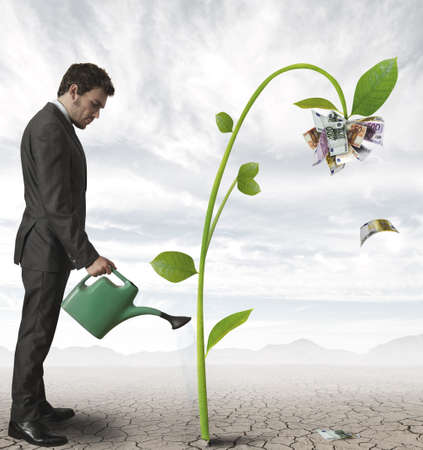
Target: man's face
86 107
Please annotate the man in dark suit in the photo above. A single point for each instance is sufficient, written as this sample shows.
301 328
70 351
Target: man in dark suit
51 239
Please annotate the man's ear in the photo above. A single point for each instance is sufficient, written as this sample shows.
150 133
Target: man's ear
73 90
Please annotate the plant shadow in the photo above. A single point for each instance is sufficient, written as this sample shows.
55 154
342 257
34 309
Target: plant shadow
226 442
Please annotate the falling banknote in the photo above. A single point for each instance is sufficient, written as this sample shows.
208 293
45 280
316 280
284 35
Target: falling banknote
375 226
339 141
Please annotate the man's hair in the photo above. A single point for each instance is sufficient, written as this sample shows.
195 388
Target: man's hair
87 76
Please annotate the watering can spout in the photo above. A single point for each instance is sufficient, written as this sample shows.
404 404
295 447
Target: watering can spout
175 321
133 311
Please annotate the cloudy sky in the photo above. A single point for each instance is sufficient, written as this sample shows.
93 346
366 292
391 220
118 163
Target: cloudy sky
292 252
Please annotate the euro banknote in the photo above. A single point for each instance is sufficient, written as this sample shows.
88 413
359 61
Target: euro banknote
331 435
373 227
333 167
375 126
351 155
355 133
312 138
334 126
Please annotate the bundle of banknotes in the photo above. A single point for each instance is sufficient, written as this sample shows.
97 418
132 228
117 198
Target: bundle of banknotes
375 226
339 141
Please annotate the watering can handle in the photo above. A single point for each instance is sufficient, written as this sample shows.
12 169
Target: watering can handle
119 275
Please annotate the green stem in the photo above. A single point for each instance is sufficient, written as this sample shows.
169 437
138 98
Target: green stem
220 211
201 366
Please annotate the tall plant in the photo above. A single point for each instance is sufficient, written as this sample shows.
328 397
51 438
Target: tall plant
372 90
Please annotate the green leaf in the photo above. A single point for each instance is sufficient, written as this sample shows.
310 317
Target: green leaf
374 87
249 187
316 102
248 170
225 326
174 266
245 176
224 122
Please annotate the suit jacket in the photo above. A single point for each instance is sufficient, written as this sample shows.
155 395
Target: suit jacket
51 236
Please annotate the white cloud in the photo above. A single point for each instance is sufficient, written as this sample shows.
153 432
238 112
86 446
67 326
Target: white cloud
153 155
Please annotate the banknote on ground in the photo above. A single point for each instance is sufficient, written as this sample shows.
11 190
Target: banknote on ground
331 435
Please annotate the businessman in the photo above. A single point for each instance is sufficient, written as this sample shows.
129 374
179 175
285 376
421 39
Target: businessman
51 239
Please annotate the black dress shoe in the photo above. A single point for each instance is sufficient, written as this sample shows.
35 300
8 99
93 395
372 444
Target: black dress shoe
35 433
57 415
176 321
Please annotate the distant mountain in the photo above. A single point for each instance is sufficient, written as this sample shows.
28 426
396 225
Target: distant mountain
303 351
180 357
84 356
403 352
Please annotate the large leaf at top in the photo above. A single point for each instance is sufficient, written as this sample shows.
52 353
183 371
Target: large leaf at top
224 122
374 87
225 326
316 102
245 178
174 266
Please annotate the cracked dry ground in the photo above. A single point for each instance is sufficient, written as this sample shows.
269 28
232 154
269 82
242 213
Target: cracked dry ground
271 407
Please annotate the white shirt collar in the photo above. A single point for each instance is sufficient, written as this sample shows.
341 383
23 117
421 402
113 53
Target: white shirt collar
62 108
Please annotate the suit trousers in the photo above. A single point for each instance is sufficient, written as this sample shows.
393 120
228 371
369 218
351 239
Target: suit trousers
40 312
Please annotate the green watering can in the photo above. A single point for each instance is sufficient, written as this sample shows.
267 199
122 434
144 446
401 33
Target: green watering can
103 305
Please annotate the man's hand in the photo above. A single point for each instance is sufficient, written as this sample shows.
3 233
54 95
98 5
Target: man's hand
101 266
